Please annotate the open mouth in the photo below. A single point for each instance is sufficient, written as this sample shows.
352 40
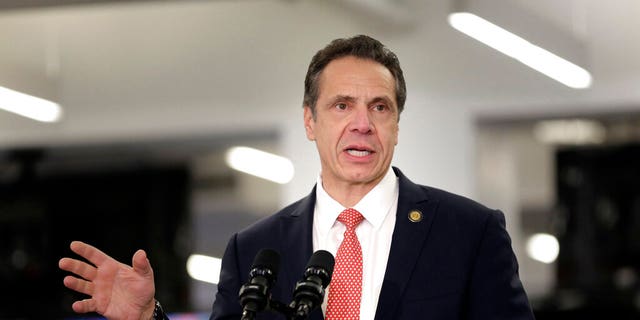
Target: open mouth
359 152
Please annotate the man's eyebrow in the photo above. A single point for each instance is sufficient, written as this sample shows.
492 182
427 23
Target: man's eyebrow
351 99
342 98
382 99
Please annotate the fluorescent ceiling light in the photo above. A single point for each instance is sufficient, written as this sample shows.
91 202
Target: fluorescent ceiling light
570 131
29 106
204 268
260 164
522 50
543 247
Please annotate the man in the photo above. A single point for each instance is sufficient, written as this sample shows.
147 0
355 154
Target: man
413 251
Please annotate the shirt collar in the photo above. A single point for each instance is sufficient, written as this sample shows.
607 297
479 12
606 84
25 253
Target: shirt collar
374 206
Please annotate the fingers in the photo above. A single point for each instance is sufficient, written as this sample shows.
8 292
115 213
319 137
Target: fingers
80 285
78 267
91 253
84 306
141 264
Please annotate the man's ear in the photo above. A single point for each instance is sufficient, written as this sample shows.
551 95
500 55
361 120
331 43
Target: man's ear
309 123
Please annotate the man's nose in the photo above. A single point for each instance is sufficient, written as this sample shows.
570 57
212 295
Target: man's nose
361 120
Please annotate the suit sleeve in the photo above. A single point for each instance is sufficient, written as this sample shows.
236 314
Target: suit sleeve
495 288
226 305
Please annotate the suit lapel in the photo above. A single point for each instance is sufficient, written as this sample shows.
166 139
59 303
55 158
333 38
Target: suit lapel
414 218
298 245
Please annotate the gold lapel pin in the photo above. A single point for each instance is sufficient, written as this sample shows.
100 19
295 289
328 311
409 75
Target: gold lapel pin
415 216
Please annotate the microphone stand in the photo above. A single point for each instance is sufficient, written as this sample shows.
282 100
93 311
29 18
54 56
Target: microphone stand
287 310
282 308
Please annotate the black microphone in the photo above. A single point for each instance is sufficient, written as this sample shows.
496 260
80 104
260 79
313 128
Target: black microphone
309 292
254 295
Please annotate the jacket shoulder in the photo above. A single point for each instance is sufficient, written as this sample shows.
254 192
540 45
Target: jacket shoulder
267 222
272 229
449 202
462 209
456 200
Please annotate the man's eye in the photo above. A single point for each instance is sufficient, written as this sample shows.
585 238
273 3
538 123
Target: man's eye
341 106
380 107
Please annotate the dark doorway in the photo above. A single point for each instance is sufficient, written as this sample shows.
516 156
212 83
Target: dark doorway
118 209
599 230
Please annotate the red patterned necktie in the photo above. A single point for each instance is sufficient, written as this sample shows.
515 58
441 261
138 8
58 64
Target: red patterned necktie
345 288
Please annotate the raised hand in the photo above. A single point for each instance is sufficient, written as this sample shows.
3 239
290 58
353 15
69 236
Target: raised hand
115 290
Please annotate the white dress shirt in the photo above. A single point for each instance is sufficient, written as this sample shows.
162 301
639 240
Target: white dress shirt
379 208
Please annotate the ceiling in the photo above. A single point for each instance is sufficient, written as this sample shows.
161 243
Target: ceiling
124 69
22 4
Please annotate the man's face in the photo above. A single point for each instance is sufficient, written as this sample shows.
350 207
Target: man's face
356 123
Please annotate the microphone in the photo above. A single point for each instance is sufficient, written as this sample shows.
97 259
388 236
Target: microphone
254 295
309 292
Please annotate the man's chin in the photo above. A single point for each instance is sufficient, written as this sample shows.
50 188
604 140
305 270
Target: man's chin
362 175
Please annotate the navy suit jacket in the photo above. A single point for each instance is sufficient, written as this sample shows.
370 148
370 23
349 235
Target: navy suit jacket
455 263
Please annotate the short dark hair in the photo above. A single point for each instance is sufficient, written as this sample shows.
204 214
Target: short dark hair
360 46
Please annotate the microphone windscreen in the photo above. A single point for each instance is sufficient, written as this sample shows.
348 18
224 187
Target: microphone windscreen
267 258
322 259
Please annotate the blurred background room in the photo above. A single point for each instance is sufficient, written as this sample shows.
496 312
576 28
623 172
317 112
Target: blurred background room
152 108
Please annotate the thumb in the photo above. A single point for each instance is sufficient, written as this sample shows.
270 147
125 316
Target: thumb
141 264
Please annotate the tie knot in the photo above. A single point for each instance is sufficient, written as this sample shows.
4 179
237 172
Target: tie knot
350 217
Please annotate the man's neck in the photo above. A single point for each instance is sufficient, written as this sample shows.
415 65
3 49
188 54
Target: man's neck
348 194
